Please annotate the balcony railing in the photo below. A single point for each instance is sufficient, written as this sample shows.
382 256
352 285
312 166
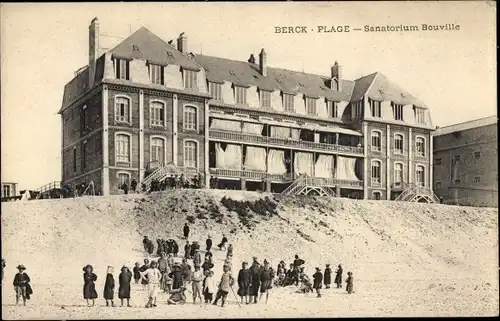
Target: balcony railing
277 141
319 181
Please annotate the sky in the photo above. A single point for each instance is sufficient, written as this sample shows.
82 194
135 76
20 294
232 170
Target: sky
43 44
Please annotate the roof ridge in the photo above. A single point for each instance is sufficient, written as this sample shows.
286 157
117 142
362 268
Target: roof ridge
470 121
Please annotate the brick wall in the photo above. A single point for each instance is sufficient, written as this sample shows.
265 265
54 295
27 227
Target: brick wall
114 181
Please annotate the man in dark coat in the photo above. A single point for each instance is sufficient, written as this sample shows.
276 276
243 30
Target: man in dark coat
244 281
266 280
176 276
143 269
186 271
133 185
209 243
207 265
186 231
162 266
22 285
151 247
254 286
318 280
338 277
187 250
328 276
159 246
145 242
175 247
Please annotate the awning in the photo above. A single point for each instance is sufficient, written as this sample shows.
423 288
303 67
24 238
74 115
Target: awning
331 129
232 117
279 123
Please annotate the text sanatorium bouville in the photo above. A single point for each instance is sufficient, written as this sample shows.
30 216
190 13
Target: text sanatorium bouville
367 28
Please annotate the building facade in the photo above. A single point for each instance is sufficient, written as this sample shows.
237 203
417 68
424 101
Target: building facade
9 189
466 163
149 104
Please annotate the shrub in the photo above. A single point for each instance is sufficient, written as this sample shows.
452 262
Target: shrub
190 219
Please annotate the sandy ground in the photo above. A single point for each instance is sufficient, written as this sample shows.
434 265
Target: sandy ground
407 259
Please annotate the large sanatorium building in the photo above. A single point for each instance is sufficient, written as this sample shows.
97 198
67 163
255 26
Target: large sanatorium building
148 108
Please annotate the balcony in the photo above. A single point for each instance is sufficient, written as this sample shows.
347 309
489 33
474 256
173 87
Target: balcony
284 178
284 142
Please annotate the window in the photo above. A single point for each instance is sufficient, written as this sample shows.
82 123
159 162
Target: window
6 191
420 177
122 69
376 174
240 94
477 179
215 90
420 146
377 196
419 115
288 102
438 184
190 79
265 99
158 150
356 109
332 109
74 159
456 158
84 155
397 111
156 75
457 181
398 172
122 148
123 178
157 116
477 155
190 154
376 141
398 144
122 109
190 116
375 107
311 106
84 118
438 161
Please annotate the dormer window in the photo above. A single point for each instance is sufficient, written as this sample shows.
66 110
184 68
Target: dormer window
397 110
419 115
240 95
311 106
122 67
156 75
332 109
265 99
375 107
215 90
190 80
288 103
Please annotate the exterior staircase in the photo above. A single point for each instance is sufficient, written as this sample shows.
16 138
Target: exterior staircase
415 193
160 173
305 185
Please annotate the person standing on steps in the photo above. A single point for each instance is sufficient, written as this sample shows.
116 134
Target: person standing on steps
152 277
338 277
197 279
225 285
318 280
244 282
186 231
22 285
89 278
209 243
255 284
109 287
350 283
328 276
124 280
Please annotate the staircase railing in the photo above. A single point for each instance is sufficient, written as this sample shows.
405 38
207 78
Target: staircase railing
412 191
160 173
291 188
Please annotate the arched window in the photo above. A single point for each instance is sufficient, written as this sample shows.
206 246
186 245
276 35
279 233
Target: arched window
157 150
122 148
190 154
190 118
420 146
377 195
123 178
376 141
376 172
122 109
398 144
157 113
420 175
398 172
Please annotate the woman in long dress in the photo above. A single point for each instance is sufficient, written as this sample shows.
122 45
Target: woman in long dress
338 277
89 278
124 280
109 287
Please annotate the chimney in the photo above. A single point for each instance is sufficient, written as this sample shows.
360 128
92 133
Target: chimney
337 73
182 43
93 49
251 59
263 62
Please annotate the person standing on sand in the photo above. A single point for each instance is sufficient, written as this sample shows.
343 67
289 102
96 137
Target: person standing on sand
225 285
133 185
318 280
152 277
197 279
176 276
328 276
197 257
187 250
124 280
186 231
109 287
186 271
170 261
266 279
22 285
209 287
207 265
137 272
145 243
229 250
143 269
162 266
244 281
209 243
223 242
338 277
255 284
350 283
89 278
209 255
168 281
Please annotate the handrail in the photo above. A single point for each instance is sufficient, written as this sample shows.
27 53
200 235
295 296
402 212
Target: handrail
295 183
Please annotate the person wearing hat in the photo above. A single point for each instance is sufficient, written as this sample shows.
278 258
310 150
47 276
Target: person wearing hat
176 275
328 276
350 283
21 285
209 287
197 257
89 278
197 279
225 286
152 277
255 284
109 287
209 243
124 280
244 282
338 276
318 281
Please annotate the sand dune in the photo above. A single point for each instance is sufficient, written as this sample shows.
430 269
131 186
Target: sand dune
407 259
